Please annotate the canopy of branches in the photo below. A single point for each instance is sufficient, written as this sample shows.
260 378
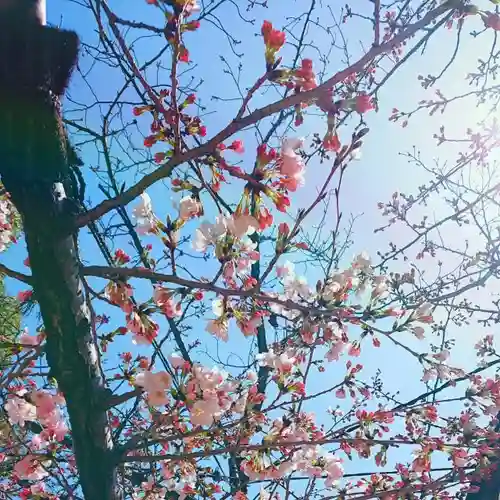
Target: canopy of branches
279 275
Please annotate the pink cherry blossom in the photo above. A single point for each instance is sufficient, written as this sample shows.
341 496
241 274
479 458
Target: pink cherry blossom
242 225
176 361
286 270
156 493
208 378
45 403
7 213
291 164
244 266
380 287
38 442
363 103
212 394
164 299
421 464
205 411
468 424
440 372
444 373
218 307
20 411
57 428
143 213
354 349
340 393
340 282
419 332
30 468
207 234
335 351
362 262
28 340
249 326
218 328
38 489
281 362
148 490
429 374
334 471
423 313
189 207
155 384
442 356
296 288
49 414
120 294
459 458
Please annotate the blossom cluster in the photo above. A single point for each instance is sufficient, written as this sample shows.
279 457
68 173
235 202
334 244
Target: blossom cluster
42 407
208 393
7 223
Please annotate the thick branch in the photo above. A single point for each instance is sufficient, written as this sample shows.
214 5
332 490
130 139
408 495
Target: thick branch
35 69
15 274
122 272
274 446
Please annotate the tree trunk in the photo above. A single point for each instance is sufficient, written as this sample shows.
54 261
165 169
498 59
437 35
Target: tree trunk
36 65
489 485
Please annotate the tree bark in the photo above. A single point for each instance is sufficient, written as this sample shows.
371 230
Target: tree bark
36 65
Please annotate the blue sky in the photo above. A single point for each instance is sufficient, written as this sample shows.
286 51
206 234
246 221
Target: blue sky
380 172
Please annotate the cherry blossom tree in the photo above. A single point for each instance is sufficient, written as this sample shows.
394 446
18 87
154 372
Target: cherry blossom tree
202 322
